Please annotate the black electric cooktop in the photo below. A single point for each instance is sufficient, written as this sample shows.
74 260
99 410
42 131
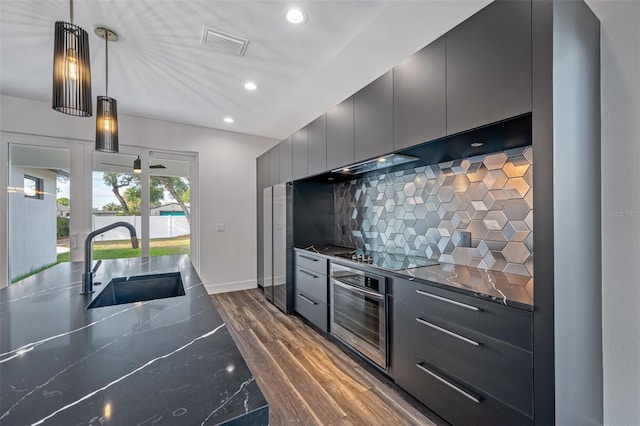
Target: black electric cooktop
390 261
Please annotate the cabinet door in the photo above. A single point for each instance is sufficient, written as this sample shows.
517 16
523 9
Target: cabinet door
300 153
373 118
262 181
274 165
419 97
489 66
340 134
317 145
286 160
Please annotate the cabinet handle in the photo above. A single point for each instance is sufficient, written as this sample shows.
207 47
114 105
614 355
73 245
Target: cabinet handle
451 385
306 299
308 258
308 273
453 302
445 331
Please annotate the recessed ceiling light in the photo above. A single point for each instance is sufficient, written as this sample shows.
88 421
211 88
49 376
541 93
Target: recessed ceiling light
250 85
228 120
295 15
477 144
382 159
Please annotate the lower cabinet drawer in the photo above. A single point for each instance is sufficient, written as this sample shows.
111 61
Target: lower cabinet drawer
457 402
311 283
495 367
313 310
505 323
311 261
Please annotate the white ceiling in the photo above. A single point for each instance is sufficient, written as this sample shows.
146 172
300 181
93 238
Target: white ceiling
158 68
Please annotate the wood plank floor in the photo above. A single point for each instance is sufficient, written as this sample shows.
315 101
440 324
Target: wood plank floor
306 378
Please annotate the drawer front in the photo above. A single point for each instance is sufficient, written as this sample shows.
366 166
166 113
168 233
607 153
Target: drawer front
310 261
497 368
457 402
311 283
314 311
501 322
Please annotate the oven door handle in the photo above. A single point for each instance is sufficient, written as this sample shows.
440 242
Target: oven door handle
368 293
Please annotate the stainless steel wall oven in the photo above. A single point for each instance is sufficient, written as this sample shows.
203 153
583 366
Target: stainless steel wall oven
358 311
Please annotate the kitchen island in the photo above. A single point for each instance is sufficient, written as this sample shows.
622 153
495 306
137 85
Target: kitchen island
163 361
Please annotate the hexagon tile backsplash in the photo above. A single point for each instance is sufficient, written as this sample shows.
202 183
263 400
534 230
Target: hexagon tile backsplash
425 212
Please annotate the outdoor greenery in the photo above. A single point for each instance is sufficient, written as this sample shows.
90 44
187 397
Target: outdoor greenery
62 226
32 272
64 201
126 188
122 248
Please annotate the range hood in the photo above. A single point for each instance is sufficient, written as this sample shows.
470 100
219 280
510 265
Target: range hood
376 164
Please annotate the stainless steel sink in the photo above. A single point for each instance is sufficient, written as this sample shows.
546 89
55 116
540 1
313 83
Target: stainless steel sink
139 288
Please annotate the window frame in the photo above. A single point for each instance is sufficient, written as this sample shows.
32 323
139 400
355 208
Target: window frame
39 195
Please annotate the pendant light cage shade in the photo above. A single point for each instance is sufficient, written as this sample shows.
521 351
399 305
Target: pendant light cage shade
137 165
107 125
71 71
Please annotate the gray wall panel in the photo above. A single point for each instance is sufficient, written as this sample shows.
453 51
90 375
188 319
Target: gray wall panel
577 214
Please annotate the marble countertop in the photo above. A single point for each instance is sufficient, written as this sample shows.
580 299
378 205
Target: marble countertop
500 287
507 289
164 361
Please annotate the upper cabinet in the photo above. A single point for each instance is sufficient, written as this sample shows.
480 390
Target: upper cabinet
286 160
262 172
489 66
373 118
340 134
419 97
274 165
300 153
317 145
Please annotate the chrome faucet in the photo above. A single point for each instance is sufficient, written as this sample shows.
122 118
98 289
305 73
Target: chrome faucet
87 274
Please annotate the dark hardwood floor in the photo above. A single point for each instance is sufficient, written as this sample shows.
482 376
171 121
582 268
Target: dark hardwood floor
306 378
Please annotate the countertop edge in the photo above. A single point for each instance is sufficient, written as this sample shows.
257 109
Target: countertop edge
446 286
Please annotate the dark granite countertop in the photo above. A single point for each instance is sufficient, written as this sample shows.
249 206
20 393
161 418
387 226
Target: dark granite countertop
500 287
165 361
507 289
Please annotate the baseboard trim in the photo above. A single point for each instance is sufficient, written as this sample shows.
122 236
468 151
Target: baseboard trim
227 287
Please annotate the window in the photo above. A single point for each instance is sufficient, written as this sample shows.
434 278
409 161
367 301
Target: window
33 187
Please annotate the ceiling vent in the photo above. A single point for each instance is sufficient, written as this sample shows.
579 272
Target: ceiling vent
220 41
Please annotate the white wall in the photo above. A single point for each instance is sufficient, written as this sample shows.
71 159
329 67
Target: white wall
32 226
620 64
159 227
226 177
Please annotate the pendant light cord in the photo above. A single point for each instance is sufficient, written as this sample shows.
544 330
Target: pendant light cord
71 9
106 64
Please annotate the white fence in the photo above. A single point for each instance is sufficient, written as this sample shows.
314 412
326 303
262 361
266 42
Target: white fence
159 227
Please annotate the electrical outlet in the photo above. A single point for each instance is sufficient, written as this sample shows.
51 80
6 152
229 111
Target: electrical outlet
219 227
465 239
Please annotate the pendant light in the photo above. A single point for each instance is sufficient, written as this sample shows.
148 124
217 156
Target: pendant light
71 69
137 165
107 117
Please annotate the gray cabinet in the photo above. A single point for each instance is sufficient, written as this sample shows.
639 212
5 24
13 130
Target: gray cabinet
489 66
300 153
311 289
458 402
317 145
286 160
419 97
373 118
274 165
509 324
262 181
467 359
340 134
